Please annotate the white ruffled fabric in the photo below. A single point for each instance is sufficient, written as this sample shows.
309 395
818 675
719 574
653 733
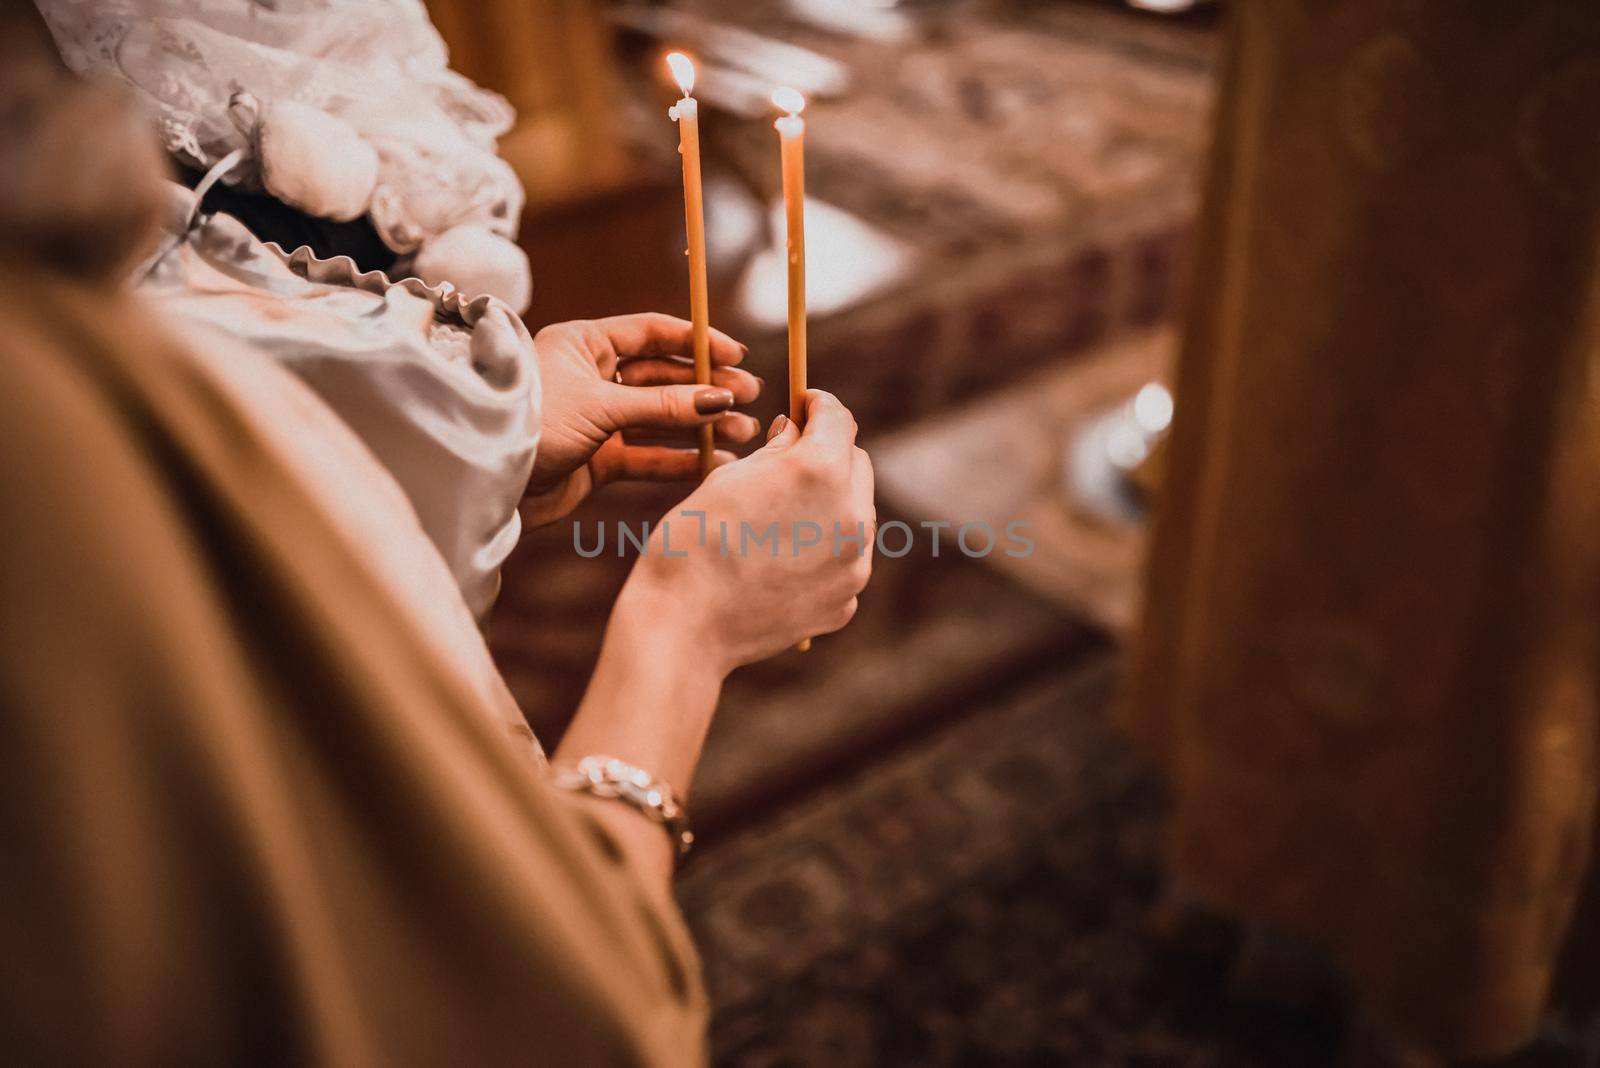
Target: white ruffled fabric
342 108
441 388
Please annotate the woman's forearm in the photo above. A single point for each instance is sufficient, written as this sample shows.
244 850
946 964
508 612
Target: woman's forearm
649 703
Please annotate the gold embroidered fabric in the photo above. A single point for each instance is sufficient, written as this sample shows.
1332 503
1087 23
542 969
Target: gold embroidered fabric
1369 658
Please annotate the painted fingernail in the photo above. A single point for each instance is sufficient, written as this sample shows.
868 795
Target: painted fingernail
778 423
711 401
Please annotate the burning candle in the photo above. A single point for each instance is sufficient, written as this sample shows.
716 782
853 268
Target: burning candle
686 113
792 146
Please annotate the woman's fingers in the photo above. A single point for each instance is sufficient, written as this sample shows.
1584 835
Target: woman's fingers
662 371
654 463
663 407
654 334
782 432
830 430
736 426
863 492
675 408
862 480
733 426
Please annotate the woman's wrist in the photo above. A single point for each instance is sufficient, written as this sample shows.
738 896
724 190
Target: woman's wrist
662 599
654 688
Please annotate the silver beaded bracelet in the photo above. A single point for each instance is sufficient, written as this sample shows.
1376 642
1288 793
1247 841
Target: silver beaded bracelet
617 780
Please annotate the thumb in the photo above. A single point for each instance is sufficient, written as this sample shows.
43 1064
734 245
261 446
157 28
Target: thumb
782 433
666 407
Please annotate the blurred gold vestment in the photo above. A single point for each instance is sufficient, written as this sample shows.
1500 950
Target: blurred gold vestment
1369 658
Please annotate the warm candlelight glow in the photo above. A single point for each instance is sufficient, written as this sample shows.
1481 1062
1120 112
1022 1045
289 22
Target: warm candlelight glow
787 99
683 71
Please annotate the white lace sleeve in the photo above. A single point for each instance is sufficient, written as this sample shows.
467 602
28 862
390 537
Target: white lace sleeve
443 389
378 65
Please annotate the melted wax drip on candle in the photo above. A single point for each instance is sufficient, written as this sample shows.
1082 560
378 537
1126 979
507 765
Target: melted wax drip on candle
789 100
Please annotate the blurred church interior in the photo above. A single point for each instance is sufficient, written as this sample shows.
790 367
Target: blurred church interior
923 842
926 841
1273 326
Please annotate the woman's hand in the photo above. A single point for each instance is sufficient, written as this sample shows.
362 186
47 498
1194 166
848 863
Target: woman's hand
690 612
781 550
603 377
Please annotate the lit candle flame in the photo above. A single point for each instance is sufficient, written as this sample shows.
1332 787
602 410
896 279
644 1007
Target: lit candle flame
789 100
682 71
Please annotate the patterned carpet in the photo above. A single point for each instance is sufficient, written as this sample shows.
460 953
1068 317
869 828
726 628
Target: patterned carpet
977 898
